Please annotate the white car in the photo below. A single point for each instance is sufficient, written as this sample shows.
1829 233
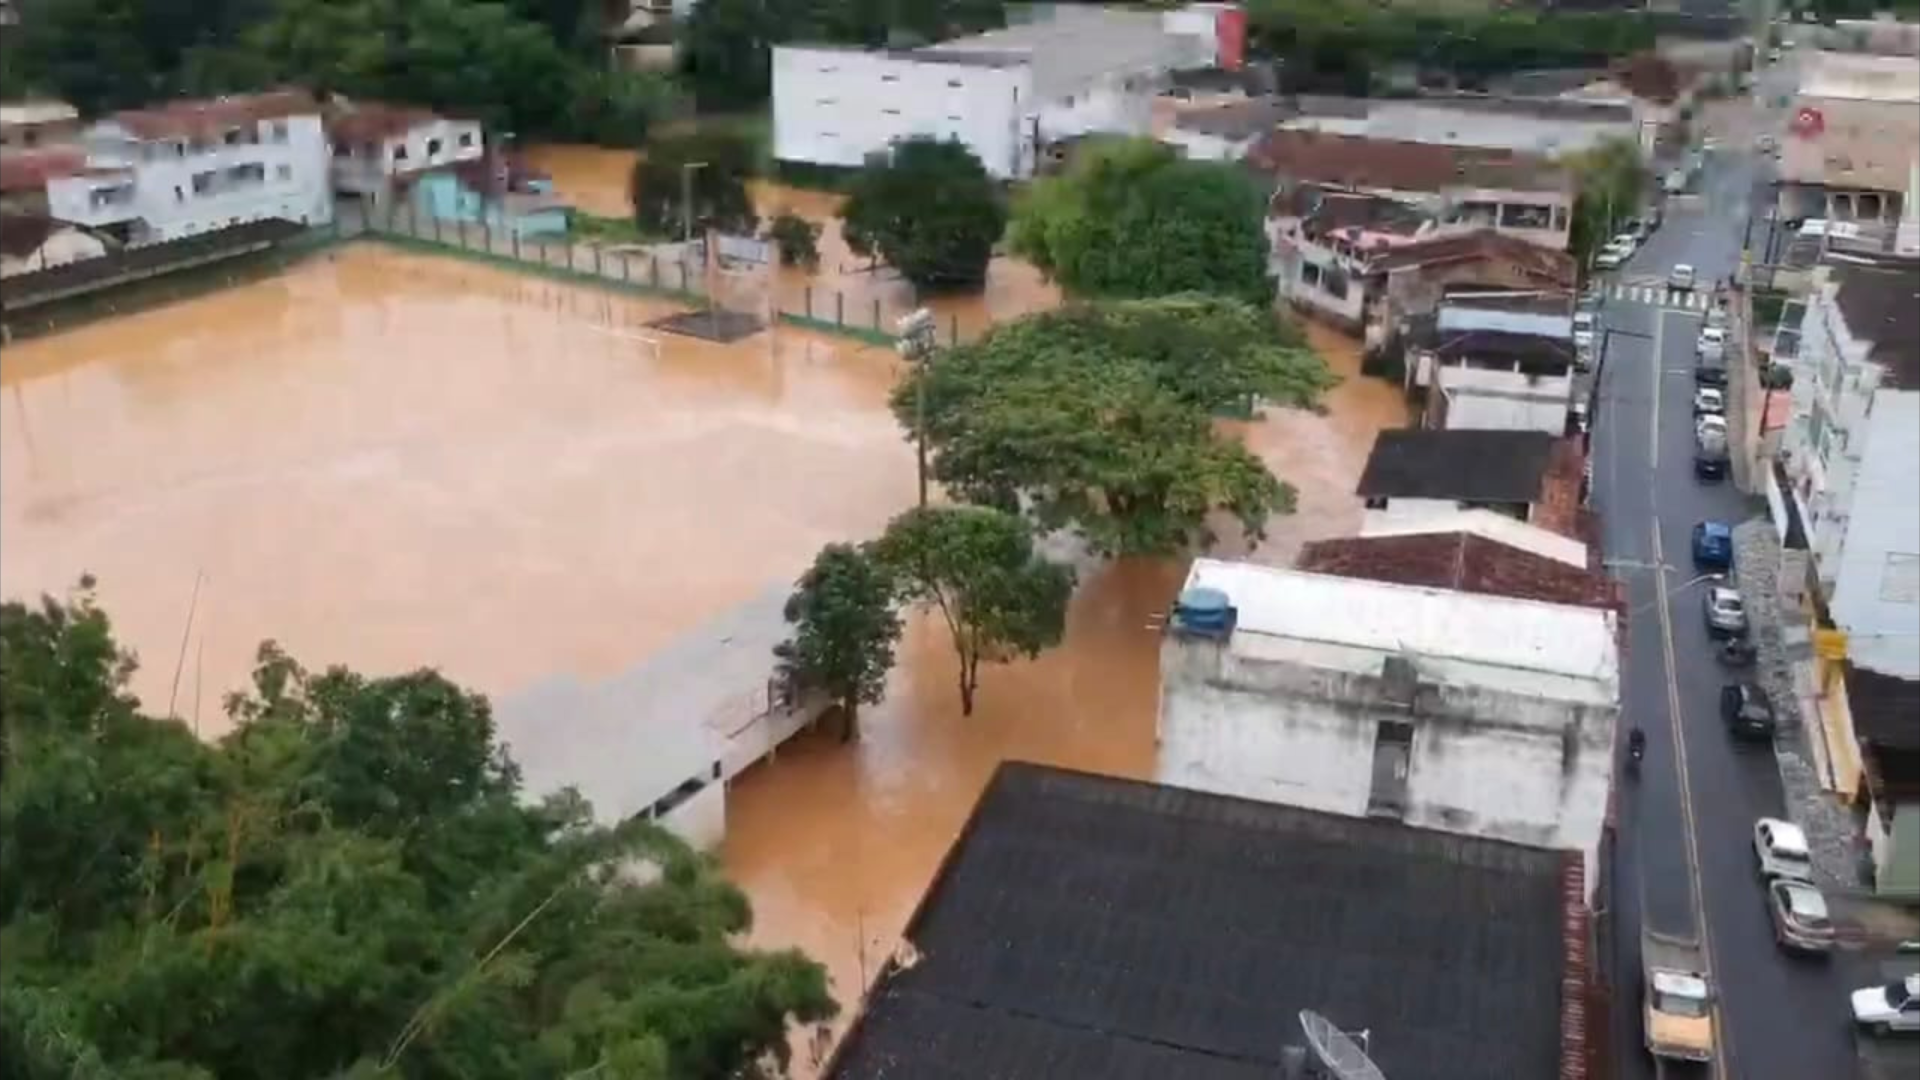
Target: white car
1710 426
1584 324
1709 401
1891 1007
1781 849
1801 920
1612 258
1712 337
1681 277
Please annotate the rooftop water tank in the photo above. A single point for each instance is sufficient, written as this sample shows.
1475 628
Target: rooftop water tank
1201 610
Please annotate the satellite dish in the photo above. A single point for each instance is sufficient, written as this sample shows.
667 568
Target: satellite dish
1339 1055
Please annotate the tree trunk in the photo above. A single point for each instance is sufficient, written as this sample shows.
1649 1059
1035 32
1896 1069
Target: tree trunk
966 686
849 722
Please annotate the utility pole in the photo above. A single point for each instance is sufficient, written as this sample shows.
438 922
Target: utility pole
918 338
686 217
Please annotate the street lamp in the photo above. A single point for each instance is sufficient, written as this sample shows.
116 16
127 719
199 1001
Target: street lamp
918 334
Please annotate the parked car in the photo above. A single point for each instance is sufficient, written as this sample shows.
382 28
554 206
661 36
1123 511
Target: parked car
1780 848
1725 612
1709 401
1717 316
1710 426
1578 419
1585 322
1712 344
1709 371
1710 464
1800 917
1889 1007
1747 711
1766 144
1612 257
1681 277
1712 546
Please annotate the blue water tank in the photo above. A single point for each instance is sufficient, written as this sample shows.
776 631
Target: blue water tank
1201 610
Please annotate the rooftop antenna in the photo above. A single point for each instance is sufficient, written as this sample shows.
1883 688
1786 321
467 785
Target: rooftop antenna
1339 1055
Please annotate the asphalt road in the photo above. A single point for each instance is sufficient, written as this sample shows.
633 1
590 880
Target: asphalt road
1684 851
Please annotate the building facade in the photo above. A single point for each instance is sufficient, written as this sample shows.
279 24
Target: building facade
194 167
1497 361
1010 95
1475 714
1852 135
377 145
1850 450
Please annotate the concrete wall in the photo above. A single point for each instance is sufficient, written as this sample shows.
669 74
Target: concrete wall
1486 763
1507 400
1896 851
1876 582
1436 122
158 198
837 106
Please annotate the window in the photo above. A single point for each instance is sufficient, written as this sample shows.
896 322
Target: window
1310 274
179 149
889 78
179 193
954 84
370 151
825 101
1069 102
1376 502
202 183
1900 579
466 139
891 112
433 147
341 150
283 173
399 151
232 137
1334 281
279 131
1392 763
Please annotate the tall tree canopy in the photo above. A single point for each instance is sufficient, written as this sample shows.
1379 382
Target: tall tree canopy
930 210
1130 218
1099 417
844 629
348 885
710 166
1612 180
977 567
501 62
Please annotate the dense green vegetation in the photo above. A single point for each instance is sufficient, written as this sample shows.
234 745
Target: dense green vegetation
1099 417
533 67
1130 218
1351 46
1613 183
930 210
701 173
349 885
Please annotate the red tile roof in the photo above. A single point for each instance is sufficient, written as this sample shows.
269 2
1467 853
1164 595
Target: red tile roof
1462 561
365 121
186 119
1556 267
27 170
22 234
1651 77
1394 165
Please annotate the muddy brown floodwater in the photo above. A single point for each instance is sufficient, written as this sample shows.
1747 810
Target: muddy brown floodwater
596 180
389 460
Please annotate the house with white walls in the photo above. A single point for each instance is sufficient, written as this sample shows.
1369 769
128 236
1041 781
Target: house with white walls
1467 712
1014 96
1528 475
1850 450
1502 360
379 146
1323 243
192 167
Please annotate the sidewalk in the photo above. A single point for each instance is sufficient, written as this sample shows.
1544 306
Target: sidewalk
1784 670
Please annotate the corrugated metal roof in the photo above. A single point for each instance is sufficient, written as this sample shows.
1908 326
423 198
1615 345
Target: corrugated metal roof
1552 650
1484 523
1455 318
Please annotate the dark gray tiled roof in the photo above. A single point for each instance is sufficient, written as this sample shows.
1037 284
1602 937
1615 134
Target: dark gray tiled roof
1881 304
1465 464
1107 929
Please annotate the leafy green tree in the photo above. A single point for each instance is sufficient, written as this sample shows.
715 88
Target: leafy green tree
720 164
351 884
1612 180
798 240
1130 218
977 567
844 630
930 210
1100 417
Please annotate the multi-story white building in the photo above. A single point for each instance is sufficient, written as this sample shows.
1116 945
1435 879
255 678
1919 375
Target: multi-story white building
1497 360
1850 450
1448 709
1851 136
1010 95
376 145
192 167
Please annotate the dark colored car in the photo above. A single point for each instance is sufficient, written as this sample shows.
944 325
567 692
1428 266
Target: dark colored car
1747 711
1709 372
1712 546
1710 464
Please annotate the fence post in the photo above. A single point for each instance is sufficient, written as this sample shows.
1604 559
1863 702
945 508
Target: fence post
953 330
839 308
876 313
598 261
653 269
486 235
807 296
513 239
626 268
436 229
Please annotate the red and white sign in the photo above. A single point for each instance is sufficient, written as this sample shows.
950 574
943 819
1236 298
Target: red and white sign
1230 29
1808 123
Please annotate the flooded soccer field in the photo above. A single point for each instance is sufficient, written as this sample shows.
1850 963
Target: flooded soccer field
390 460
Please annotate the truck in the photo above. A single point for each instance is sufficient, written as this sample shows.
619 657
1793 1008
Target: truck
1678 997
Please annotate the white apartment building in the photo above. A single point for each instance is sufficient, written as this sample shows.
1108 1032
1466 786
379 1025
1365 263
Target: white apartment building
1498 361
1547 127
192 167
1459 711
1010 95
1850 452
376 144
1851 135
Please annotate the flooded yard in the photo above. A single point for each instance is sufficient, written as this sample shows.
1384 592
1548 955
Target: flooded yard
389 460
